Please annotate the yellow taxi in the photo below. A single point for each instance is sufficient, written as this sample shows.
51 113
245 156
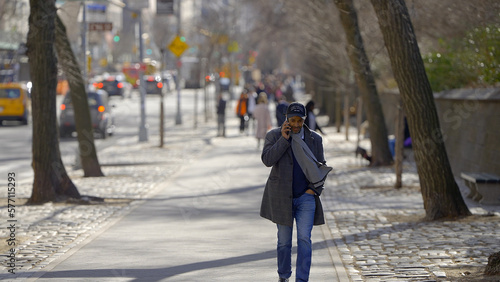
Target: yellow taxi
14 102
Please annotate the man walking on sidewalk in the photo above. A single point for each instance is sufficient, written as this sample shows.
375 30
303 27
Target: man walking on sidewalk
292 191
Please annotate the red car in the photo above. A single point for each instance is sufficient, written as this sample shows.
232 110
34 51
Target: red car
154 84
115 85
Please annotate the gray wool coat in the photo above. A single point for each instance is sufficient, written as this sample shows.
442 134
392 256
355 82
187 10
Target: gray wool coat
278 194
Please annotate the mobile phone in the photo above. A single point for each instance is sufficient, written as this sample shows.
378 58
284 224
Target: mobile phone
289 129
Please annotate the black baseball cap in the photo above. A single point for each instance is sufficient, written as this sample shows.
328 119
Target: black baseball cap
296 110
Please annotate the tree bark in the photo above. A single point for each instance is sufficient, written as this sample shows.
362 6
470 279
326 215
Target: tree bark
51 182
83 121
493 266
399 146
381 154
442 198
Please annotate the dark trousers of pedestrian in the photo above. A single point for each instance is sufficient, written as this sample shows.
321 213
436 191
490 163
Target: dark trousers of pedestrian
242 123
221 125
303 212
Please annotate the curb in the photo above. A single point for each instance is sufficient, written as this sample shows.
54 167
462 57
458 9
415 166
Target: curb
338 264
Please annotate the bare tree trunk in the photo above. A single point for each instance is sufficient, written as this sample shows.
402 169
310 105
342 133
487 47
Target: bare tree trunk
346 116
329 106
359 116
399 147
83 121
442 198
366 83
51 182
338 110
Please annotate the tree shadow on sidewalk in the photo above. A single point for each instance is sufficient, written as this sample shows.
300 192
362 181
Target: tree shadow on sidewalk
158 274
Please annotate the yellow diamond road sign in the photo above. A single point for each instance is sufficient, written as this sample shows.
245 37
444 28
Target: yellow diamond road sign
177 46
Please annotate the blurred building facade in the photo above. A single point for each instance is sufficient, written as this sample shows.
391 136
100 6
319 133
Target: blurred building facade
13 31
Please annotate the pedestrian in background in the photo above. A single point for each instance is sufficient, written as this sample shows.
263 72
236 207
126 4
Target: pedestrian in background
221 116
263 118
252 102
292 191
281 110
241 110
311 121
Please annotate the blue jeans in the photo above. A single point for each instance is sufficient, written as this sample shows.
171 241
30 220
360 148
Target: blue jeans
303 212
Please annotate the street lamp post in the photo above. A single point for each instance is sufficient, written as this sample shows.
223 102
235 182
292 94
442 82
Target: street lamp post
143 130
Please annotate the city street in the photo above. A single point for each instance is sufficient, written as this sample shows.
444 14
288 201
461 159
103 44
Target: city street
402 93
16 139
202 225
189 212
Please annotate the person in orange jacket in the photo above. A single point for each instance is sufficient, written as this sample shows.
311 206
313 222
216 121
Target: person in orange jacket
241 110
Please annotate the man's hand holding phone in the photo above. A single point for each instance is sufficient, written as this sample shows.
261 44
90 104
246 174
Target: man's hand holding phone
286 129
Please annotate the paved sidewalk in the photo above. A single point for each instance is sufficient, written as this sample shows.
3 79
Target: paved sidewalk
133 171
189 212
193 219
202 225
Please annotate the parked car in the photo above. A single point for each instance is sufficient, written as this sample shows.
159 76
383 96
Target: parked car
100 114
154 84
114 84
14 102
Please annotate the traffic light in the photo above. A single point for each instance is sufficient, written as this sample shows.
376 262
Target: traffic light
116 38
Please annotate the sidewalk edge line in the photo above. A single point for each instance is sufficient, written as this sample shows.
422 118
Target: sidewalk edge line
338 264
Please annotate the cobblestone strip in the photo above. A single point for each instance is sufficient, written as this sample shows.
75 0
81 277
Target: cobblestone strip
66 227
378 229
132 171
375 247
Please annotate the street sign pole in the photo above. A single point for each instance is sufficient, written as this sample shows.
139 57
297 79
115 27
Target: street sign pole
178 46
178 116
204 85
